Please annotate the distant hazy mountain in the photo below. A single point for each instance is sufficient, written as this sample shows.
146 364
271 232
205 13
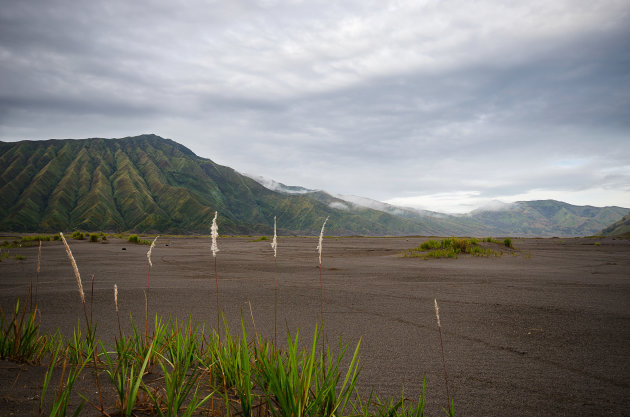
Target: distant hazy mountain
150 184
618 228
544 218
547 218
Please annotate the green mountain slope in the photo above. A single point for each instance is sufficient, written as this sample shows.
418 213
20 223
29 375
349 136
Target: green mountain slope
147 183
618 228
547 218
150 184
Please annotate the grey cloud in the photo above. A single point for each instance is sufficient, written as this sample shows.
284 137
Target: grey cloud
373 98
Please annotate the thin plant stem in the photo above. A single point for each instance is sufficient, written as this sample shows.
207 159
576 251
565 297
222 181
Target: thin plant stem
117 312
320 246
274 246
448 395
146 314
321 295
321 307
214 233
77 276
251 313
39 258
146 299
146 306
92 300
92 335
119 326
275 303
216 280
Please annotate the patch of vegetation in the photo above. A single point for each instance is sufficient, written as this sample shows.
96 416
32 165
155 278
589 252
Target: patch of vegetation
508 243
450 248
13 244
20 340
78 235
260 239
93 237
238 375
136 239
37 238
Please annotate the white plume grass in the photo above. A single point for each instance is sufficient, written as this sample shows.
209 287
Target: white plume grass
321 239
116 297
437 312
214 231
274 242
151 250
74 267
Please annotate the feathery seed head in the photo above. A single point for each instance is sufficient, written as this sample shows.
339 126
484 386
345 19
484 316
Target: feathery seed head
214 233
74 267
116 297
39 255
274 242
437 312
151 250
321 239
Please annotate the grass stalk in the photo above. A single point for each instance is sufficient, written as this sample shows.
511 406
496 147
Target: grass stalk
450 409
146 298
214 233
274 246
117 312
91 333
321 280
39 259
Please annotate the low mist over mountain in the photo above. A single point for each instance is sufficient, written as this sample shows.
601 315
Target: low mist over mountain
150 184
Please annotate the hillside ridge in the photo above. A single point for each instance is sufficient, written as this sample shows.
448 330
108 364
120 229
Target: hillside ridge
154 185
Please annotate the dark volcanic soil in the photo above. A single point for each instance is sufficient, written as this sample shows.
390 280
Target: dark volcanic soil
538 332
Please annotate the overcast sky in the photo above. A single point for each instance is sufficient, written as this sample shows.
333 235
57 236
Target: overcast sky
443 105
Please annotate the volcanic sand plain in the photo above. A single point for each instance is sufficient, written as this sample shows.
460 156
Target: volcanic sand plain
541 330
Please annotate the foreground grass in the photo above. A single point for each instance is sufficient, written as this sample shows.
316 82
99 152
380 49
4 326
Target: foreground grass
194 371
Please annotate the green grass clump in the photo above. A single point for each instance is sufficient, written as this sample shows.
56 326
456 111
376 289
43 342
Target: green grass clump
20 340
450 248
16 244
261 239
37 238
508 242
78 235
136 239
93 237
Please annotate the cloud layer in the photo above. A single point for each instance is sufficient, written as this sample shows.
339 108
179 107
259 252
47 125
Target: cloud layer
434 104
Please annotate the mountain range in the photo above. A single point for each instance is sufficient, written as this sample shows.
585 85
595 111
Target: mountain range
154 185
